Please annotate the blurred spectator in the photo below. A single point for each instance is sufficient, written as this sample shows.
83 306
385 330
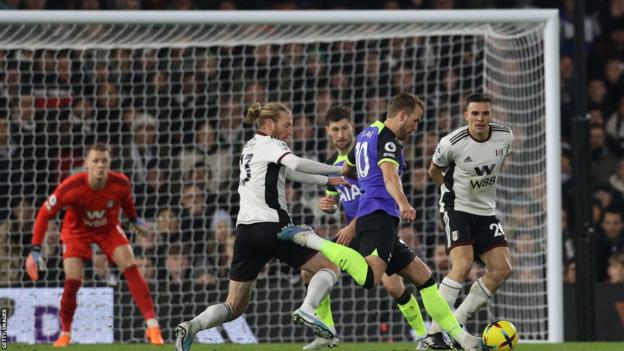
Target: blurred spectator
597 92
10 258
213 154
610 240
144 148
9 4
300 212
169 225
616 268
178 264
566 15
82 122
33 4
102 269
231 128
17 231
569 273
224 237
197 211
52 252
412 238
177 293
156 191
7 150
147 245
616 180
441 262
180 5
108 116
569 246
147 268
566 176
303 136
603 160
615 126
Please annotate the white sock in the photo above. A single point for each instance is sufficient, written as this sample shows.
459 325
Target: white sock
449 289
211 317
320 285
477 298
152 322
467 341
314 241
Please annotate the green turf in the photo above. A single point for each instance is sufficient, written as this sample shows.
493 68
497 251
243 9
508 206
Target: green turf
596 346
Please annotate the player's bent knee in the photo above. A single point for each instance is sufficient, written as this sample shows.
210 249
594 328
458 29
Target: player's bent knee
502 273
393 285
395 291
461 268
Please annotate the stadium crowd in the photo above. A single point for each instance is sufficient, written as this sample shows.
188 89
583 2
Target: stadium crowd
175 120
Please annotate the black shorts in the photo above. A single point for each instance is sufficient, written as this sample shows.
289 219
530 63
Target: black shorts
482 232
380 231
256 244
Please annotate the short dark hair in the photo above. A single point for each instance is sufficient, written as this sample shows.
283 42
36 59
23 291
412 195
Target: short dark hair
337 113
101 147
476 97
404 102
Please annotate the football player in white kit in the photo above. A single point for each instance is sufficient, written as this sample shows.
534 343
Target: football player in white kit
266 163
466 165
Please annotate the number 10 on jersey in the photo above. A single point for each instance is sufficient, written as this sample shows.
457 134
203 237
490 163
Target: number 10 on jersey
361 155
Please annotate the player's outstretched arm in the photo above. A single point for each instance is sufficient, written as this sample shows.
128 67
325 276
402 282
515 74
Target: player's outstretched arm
314 179
395 189
303 165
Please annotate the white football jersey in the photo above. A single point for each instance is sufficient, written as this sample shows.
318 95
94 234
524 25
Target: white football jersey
472 169
262 179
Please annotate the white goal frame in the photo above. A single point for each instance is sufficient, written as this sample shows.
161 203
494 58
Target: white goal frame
548 18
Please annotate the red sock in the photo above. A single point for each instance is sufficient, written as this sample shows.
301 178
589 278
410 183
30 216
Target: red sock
140 291
68 303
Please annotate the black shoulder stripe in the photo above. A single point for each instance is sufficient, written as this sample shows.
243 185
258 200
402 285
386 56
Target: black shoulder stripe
505 130
455 141
459 136
500 127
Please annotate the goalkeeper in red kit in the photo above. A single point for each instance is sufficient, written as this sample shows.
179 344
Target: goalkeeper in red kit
93 200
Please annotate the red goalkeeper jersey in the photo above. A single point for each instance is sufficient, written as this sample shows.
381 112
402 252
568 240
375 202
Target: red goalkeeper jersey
88 211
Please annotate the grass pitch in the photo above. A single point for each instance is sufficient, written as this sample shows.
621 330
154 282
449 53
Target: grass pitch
570 346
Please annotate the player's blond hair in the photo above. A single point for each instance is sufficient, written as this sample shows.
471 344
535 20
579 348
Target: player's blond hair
258 113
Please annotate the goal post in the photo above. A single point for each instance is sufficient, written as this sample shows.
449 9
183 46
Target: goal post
190 76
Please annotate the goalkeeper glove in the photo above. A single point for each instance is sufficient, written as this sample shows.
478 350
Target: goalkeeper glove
139 227
35 263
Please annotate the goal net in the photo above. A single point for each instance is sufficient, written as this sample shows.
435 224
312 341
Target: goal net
169 96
